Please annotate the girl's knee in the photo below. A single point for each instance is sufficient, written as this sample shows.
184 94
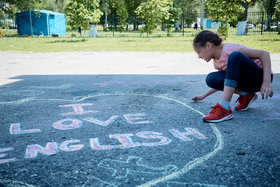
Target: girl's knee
209 80
236 56
214 80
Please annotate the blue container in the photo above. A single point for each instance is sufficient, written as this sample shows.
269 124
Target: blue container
45 22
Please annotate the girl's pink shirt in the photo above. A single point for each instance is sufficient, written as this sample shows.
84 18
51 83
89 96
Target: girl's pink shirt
221 63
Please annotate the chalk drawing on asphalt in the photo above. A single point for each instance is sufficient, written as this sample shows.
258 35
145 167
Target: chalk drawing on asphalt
168 176
15 128
18 102
123 169
134 164
188 166
9 182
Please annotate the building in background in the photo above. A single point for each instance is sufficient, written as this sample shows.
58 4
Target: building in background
44 22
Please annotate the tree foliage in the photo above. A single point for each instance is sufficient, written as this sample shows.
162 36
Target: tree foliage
174 16
277 14
277 9
269 5
55 5
188 8
19 5
154 12
83 12
224 11
121 12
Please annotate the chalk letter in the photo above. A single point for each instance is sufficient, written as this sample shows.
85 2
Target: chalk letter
94 144
2 161
125 140
15 129
183 135
135 118
74 123
32 150
78 109
64 146
153 135
102 123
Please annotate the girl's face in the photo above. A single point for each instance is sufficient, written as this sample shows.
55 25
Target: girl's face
206 52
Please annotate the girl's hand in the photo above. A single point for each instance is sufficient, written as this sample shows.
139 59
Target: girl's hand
266 90
198 98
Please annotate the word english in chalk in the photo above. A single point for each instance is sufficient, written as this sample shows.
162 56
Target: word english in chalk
121 141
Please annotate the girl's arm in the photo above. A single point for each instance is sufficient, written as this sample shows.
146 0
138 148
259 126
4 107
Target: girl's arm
264 56
201 97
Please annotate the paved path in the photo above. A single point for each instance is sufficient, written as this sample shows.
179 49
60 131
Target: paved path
127 119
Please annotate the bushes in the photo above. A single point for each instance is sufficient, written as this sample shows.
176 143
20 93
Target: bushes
2 33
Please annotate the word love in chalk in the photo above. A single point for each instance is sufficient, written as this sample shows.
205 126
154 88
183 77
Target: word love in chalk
70 123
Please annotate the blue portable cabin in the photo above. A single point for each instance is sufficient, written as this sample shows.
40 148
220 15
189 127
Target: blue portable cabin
44 22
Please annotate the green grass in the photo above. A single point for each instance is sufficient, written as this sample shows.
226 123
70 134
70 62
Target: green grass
129 41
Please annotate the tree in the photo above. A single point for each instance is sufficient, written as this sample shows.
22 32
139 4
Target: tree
105 9
10 7
246 4
21 5
269 9
153 12
174 16
131 7
121 12
277 14
56 5
224 11
188 8
83 12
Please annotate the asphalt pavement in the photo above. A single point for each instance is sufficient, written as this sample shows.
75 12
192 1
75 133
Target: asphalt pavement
127 119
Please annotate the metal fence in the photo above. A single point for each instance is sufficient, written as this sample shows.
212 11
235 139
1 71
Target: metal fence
257 23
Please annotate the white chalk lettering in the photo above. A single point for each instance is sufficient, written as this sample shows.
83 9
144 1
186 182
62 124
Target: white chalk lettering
74 123
64 146
125 140
32 150
136 118
102 123
15 129
153 135
184 135
2 161
78 109
95 145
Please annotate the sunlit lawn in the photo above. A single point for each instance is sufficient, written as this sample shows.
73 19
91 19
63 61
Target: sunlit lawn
129 41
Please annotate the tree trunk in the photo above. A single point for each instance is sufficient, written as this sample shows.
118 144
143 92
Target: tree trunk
162 27
246 6
84 35
106 22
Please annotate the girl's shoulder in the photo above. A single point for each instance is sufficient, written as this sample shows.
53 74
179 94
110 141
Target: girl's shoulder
230 47
233 46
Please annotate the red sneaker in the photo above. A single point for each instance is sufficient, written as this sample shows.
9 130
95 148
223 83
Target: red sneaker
243 102
218 114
